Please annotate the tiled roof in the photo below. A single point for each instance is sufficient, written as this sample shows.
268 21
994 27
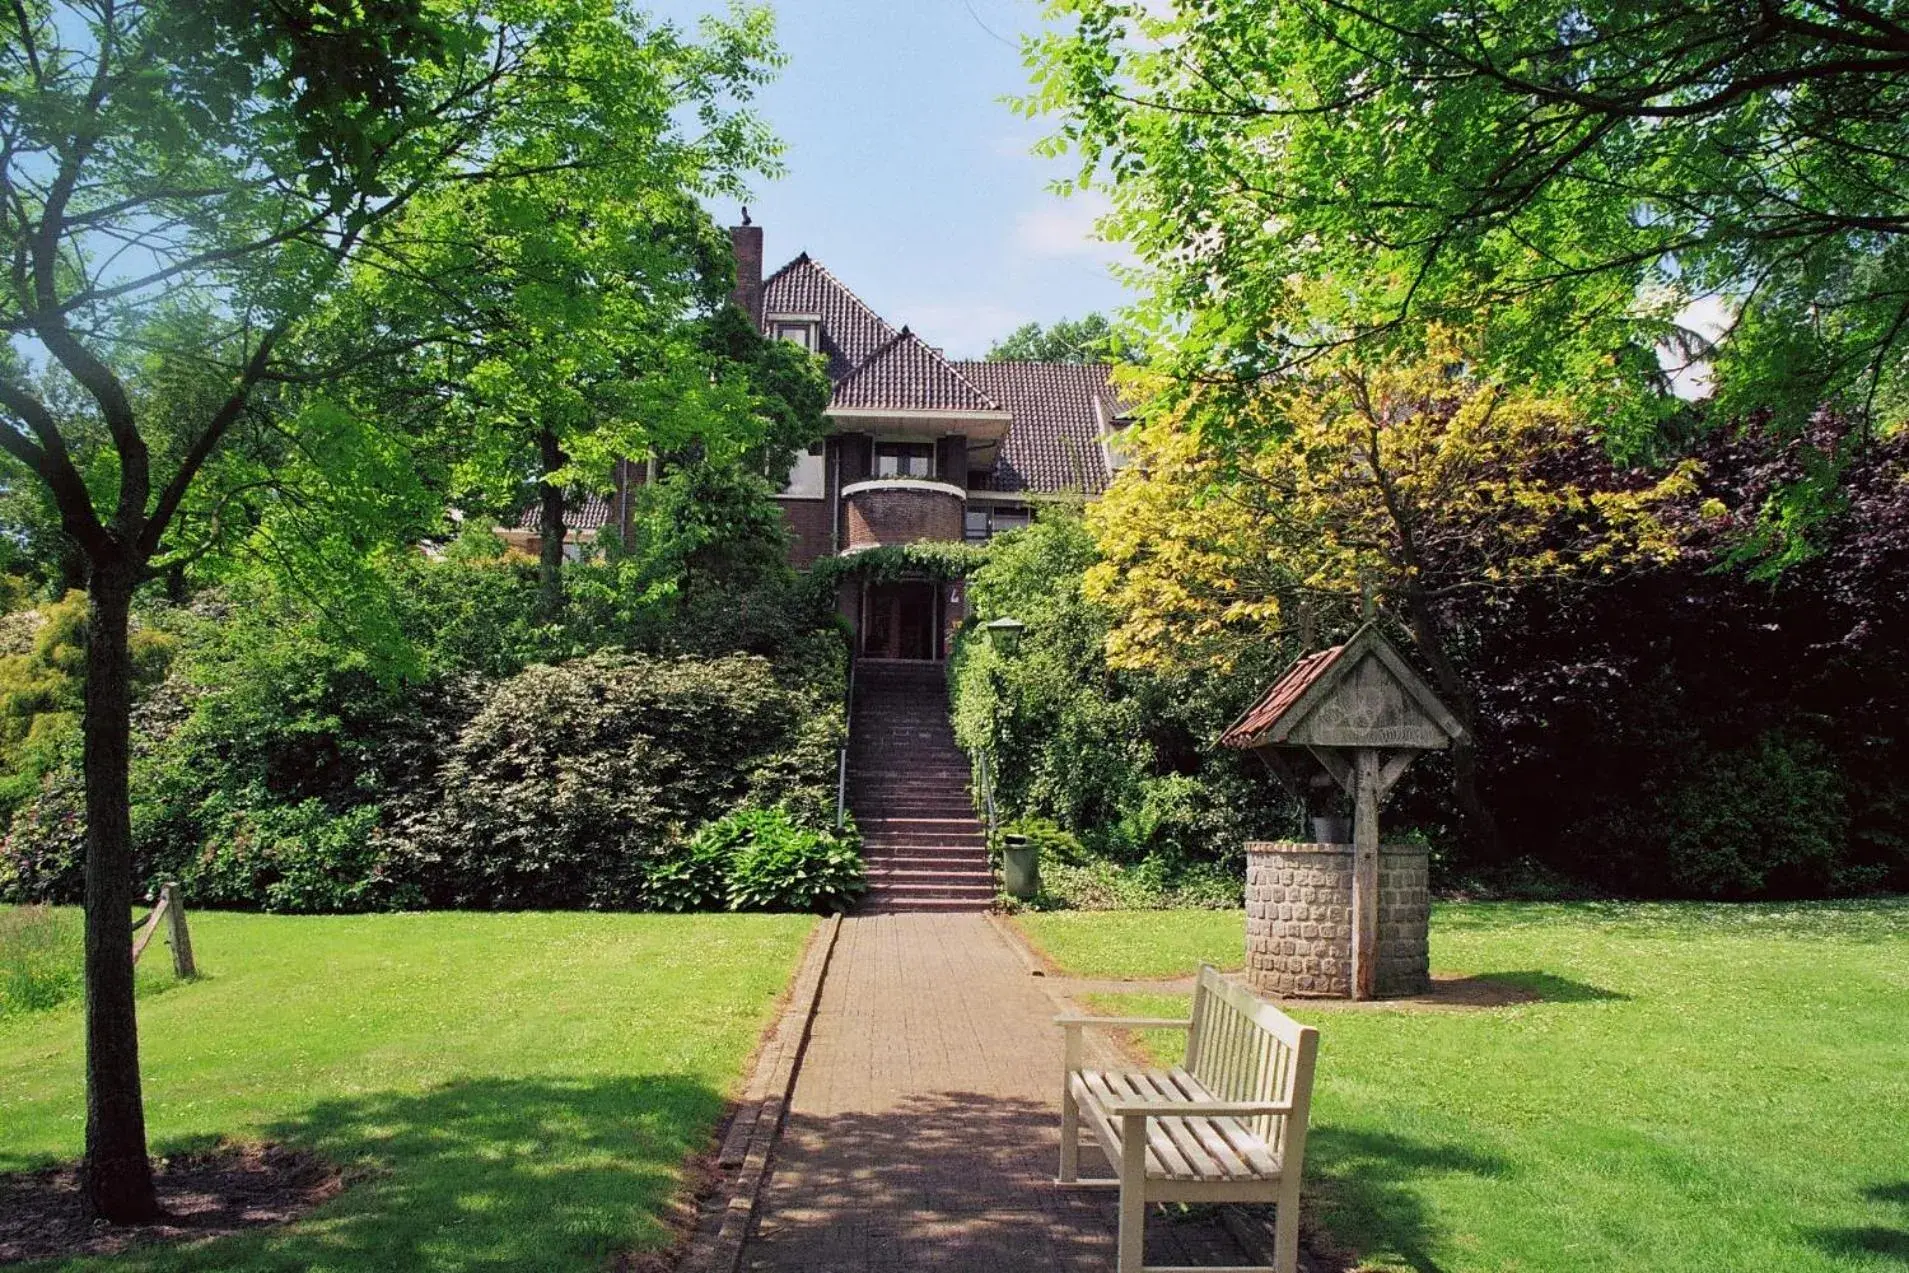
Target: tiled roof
1054 443
851 331
1263 715
584 510
907 375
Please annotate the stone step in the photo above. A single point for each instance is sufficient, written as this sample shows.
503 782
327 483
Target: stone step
925 905
926 857
884 879
892 892
976 839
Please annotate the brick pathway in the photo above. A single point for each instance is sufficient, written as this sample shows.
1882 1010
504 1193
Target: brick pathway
923 1131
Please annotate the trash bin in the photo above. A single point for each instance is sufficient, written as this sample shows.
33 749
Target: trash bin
1020 867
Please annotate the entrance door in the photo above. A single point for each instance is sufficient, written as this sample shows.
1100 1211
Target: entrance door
898 621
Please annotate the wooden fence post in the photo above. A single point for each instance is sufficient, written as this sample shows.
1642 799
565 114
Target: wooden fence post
176 934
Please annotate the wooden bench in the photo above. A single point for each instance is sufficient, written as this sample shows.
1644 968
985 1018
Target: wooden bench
1227 1126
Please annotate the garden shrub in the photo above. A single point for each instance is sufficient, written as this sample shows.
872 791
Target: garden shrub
1121 759
1765 821
1053 842
300 859
41 954
771 863
572 778
43 858
1100 884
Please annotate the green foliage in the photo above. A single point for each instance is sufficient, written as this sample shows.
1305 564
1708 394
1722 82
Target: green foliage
1119 758
771 863
40 954
1152 884
1048 838
43 858
571 778
1295 176
1089 338
1768 820
299 859
939 560
42 680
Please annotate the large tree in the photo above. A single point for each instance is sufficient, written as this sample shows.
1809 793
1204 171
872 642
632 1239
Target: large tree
1090 338
185 191
1297 174
1413 486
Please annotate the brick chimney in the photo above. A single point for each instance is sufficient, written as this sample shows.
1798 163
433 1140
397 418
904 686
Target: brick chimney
745 241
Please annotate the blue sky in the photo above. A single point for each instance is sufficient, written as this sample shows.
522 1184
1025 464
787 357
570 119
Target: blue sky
910 179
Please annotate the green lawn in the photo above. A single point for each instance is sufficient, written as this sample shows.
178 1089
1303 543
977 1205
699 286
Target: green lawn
1702 1088
520 1090
1147 944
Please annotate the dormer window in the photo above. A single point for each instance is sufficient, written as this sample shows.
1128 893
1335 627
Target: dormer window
797 329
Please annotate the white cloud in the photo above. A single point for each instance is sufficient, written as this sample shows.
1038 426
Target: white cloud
1065 227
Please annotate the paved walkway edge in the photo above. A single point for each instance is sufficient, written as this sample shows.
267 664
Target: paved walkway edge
1029 957
758 1119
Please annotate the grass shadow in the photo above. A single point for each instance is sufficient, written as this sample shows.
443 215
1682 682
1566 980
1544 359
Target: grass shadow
1551 988
1363 1188
1890 1242
482 1174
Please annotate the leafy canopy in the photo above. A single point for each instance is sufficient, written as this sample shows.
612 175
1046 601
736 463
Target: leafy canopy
1568 177
1417 482
1089 338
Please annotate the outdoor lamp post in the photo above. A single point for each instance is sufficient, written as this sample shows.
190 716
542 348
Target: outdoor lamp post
1004 634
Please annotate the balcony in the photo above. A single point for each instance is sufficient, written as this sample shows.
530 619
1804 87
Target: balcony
903 510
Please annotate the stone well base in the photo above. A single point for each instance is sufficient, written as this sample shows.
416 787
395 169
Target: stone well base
1299 920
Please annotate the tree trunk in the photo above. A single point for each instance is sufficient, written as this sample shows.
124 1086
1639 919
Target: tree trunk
117 1175
551 527
1481 826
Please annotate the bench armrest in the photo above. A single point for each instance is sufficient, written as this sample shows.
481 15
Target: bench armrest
1198 1109
1125 1023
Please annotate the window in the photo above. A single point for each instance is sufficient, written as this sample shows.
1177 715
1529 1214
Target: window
802 334
982 524
808 478
904 459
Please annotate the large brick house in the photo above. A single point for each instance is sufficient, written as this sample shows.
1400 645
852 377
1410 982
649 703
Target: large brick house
920 446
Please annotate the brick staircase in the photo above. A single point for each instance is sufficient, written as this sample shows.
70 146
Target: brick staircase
908 789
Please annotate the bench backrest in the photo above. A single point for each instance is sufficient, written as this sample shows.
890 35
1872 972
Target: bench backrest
1244 1049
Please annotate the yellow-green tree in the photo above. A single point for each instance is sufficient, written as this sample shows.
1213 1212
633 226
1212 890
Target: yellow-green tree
1419 485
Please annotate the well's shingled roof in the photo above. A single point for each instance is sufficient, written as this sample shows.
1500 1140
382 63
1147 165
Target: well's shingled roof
1054 441
851 331
1263 715
907 375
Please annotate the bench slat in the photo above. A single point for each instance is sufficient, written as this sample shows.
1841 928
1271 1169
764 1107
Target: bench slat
1216 1145
1161 1150
1203 1162
1203 1147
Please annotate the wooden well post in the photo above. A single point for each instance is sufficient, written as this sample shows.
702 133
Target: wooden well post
1362 715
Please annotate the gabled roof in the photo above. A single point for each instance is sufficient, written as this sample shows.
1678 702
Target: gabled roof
907 375
1263 715
1282 714
1054 443
851 331
1057 411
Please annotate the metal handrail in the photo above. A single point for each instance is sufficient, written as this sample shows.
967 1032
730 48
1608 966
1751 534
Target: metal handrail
987 791
841 756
